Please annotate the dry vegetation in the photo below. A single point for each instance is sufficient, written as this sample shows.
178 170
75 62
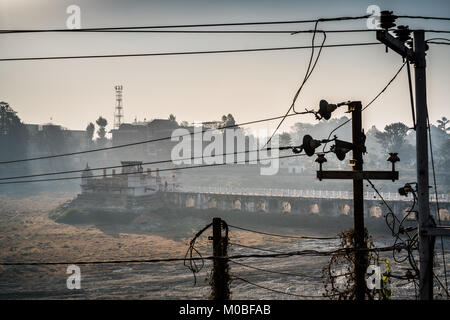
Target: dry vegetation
27 234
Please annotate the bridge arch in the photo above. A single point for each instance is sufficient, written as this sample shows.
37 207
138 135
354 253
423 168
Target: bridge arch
285 206
444 215
375 211
314 208
212 203
345 209
411 216
237 204
261 206
190 202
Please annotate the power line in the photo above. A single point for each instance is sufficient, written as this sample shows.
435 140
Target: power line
278 291
308 73
283 235
190 25
143 142
433 39
129 173
276 272
253 248
214 24
438 42
184 52
423 17
213 157
290 32
368 105
239 256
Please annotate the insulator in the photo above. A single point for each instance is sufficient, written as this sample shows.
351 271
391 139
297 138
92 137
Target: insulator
403 33
387 19
410 43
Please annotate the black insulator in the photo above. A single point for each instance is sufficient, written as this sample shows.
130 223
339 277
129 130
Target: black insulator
410 43
387 19
403 33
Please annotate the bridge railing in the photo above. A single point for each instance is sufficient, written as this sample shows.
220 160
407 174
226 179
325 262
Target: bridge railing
301 193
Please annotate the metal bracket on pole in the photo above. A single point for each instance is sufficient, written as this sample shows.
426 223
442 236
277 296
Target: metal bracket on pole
436 231
396 45
358 175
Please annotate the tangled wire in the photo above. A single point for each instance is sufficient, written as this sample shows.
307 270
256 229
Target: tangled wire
407 236
339 274
219 277
188 257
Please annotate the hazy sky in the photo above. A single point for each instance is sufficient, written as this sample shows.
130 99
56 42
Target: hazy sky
204 87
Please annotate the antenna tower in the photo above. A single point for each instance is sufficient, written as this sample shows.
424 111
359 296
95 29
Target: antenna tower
118 114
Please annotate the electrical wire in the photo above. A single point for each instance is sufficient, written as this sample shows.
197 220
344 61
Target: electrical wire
278 291
423 17
144 141
131 173
189 25
129 55
191 251
308 73
283 235
213 157
276 272
254 248
369 104
411 95
238 256
213 24
438 42
442 39
410 244
290 32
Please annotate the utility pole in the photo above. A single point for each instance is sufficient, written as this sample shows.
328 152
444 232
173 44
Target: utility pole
426 243
220 290
358 202
357 175
427 228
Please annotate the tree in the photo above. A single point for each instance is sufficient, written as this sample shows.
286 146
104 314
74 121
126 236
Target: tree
172 117
13 134
444 153
228 120
443 123
184 123
393 137
102 123
90 132
285 139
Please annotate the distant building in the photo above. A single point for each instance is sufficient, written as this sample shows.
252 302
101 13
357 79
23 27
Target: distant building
144 131
53 138
131 181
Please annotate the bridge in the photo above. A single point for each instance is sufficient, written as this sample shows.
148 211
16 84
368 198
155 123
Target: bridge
294 201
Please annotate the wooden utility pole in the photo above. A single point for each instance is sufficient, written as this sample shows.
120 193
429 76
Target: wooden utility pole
426 243
358 175
427 230
220 290
361 263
